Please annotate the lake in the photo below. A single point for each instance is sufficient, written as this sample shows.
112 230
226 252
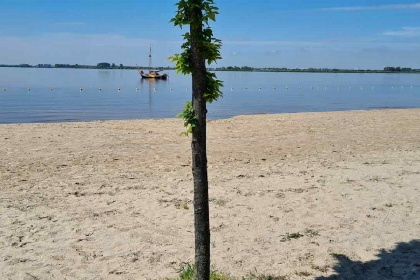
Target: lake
244 93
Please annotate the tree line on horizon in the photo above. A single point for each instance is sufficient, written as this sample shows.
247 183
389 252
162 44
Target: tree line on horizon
107 65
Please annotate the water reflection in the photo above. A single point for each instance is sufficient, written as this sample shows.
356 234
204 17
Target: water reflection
150 86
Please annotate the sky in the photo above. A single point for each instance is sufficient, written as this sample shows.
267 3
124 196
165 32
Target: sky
351 34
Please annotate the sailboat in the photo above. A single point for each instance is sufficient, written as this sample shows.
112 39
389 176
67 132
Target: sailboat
153 74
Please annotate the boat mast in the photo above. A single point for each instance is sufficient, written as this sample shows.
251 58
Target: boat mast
150 58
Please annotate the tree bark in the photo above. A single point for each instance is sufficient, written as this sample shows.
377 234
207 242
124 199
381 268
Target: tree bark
199 151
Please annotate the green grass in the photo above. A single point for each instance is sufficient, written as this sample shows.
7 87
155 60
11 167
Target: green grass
187 272
182 205
311 232
109 202
290 236
219 202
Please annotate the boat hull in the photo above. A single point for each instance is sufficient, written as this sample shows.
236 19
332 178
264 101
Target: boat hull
147 76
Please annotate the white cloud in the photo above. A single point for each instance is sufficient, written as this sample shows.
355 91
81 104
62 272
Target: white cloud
407 32
377 7
83 49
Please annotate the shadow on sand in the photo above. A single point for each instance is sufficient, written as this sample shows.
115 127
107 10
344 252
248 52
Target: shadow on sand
403 262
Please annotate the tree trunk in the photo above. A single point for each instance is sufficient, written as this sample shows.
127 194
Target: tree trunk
199 152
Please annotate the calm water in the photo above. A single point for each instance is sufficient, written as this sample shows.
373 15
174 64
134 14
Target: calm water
155 99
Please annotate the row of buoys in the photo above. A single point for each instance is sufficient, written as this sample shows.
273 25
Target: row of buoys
319 88
338 88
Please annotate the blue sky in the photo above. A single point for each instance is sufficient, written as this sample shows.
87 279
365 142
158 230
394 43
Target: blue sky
271 33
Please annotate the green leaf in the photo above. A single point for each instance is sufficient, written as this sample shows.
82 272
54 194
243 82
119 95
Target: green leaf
209 46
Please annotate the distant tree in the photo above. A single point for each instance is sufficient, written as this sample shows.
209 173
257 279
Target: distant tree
62 66
103 65
199 48
113 65
246 68
121 66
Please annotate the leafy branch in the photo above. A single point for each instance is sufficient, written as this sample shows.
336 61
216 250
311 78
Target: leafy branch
209 46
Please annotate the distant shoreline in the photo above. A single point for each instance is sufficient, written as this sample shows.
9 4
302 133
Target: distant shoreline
234 69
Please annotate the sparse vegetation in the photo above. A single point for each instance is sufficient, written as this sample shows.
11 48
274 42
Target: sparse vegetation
311 232
256 276
109 202
219 202
187 272
323 269
290 236
303 273
181 205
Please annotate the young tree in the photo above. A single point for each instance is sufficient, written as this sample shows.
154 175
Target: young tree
199 48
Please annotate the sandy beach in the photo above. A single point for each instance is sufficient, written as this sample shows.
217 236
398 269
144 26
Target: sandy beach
305 196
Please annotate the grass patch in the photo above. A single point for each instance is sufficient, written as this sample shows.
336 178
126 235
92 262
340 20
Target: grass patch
181 205
109 202
219 202
303 273
311 233
256 276
296 235
323 269
290 236
187 272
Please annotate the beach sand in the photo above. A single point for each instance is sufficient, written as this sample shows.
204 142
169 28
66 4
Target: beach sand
112 200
